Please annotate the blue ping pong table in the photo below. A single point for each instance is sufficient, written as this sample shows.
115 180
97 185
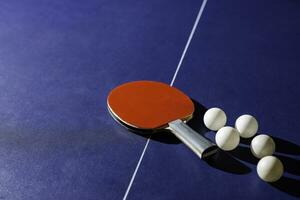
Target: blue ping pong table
60 59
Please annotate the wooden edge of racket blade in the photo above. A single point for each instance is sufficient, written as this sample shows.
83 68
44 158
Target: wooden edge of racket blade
141 130
116 117
128 127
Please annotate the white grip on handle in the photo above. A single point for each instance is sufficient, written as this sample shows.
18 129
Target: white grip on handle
196 142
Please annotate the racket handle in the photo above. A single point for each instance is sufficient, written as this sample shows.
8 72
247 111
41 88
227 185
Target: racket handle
196 142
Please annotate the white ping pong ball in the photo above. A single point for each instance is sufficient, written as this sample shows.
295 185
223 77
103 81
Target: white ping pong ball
269 169
214 119
246 125
262 145
227 138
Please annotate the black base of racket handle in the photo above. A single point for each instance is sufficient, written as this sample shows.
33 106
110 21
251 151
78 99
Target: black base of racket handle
196 142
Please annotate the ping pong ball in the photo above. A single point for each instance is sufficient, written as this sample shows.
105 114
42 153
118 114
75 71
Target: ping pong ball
262 145
227 138
214 119
246 125
269 169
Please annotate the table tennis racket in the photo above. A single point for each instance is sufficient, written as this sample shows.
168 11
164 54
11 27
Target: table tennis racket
149 107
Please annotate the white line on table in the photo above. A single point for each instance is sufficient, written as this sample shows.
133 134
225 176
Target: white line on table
189 41
171 84
136 168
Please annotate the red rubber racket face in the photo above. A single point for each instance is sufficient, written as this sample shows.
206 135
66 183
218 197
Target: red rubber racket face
149 104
